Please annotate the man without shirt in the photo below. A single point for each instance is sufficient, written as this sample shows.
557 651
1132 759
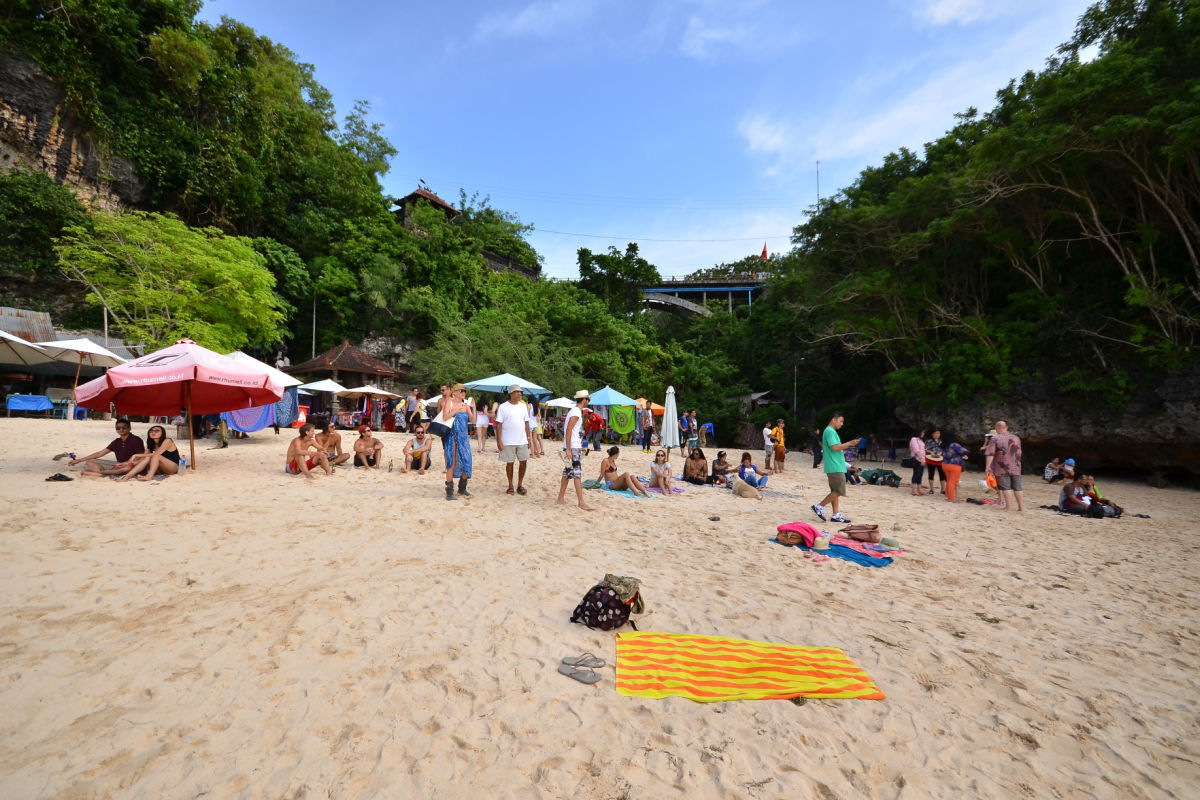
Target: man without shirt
1003 462
301 457
418 450
122 448
368 451
833 454
331 443
512 436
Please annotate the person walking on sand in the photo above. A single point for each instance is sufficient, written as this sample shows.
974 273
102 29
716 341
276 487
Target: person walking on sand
768 447
456 445
573 445
1003 461
123 448
647 427
835 468
300 461
512 437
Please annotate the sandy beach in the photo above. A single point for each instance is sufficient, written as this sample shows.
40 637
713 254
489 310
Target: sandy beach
236 632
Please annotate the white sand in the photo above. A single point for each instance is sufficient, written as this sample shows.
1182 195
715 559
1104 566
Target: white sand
239 633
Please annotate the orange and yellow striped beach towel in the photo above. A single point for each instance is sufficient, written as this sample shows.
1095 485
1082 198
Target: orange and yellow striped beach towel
709 669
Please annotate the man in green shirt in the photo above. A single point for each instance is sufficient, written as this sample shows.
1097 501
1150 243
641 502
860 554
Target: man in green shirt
835 468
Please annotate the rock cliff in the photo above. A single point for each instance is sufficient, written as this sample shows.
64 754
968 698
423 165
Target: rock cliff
38 130
1158 431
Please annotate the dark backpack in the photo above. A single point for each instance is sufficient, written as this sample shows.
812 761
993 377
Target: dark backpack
602 608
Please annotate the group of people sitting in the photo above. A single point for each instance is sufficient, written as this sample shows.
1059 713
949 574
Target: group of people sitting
158 455
311 450
1080 496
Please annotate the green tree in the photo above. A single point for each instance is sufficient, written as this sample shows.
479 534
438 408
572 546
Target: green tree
161 281
616 277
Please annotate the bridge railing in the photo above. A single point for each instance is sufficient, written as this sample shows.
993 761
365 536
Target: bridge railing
740 277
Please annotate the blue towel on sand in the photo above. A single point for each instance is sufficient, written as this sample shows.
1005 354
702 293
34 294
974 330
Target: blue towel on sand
625 493
845 553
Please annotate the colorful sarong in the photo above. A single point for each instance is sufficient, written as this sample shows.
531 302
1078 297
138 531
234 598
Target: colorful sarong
709 669
456 447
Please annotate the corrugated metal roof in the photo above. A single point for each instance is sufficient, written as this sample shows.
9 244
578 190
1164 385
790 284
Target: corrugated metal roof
32 326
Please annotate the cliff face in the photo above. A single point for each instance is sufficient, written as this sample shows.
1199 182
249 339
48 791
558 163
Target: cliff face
1159 431
39 131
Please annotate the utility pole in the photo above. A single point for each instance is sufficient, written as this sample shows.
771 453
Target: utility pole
818 183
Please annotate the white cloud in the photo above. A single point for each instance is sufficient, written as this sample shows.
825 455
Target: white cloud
877 119
946 12
540 19
700 38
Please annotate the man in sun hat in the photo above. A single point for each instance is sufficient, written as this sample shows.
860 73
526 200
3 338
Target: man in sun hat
573 445
512 436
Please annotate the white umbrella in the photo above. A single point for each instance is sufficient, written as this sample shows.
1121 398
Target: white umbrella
374 391
432 400
670 426
559 402
326 385
85 351
14 350
280 377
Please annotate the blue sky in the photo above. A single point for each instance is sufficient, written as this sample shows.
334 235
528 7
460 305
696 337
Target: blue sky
692 127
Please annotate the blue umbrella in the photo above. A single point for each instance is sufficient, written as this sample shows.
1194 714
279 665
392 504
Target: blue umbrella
609 396
500 383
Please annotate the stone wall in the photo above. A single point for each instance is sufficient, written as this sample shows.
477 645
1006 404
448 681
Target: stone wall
39 131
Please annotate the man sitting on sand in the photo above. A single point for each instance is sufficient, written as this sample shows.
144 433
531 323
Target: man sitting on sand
123 448
368 451
304 453
331 442
416 452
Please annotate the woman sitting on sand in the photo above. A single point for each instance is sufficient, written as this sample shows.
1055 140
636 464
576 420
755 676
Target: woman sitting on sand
695 468
660 473
161 454
749 473
615 479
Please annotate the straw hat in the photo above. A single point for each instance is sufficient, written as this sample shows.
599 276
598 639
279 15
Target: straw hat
458 387
820 543
515 388
582 394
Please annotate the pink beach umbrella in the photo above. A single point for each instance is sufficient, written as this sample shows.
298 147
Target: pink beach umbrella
184 375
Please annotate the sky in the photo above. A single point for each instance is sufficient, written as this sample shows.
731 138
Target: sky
692 127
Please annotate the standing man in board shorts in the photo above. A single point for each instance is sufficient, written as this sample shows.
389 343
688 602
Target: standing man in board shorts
1003 462
835 468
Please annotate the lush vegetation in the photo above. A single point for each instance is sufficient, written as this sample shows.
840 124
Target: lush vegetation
1054 238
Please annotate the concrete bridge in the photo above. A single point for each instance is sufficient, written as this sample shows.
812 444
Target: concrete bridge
690 294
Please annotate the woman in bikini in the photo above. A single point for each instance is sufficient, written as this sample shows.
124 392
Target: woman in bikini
660 473
161 455
615 480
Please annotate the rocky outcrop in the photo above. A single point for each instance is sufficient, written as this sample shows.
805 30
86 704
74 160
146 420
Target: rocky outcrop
38 130
1158 431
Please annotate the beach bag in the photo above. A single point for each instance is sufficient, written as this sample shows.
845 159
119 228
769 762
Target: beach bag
439 426
603 608
789 537
862 533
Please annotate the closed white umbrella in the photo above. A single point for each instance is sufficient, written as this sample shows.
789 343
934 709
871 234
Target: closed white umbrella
670 428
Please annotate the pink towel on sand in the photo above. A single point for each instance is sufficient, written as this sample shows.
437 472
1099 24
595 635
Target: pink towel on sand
806 531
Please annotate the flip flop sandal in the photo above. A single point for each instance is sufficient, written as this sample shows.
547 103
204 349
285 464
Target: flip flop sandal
509 491
581 674
820 559
586 660
522 490
58 476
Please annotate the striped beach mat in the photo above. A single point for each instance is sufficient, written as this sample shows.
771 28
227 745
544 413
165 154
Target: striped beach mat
709 669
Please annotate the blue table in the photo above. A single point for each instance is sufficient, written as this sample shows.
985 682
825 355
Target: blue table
29 402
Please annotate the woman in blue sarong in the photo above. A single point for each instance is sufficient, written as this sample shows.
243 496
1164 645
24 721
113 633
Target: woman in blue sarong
456 445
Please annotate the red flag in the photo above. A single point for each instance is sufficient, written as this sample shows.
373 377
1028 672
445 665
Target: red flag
764 255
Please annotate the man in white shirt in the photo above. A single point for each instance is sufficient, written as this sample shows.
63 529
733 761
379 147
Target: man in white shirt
512 434
768 446
573 444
